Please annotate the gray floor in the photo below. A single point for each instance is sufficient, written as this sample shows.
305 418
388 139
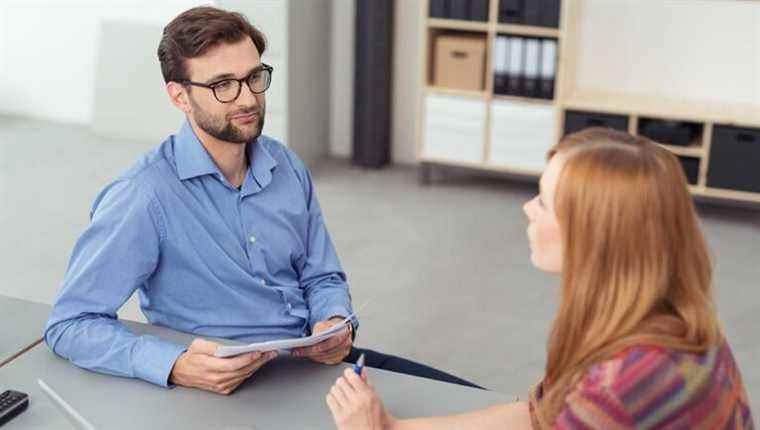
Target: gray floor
445 268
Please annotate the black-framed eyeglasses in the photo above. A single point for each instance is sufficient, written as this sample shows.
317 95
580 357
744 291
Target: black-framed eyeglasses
228 90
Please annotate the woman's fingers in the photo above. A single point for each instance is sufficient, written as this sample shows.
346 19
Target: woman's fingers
333 403
356 382
342 391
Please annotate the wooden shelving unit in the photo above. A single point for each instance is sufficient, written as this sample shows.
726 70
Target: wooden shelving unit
634 107
528 30
455 92
455 24
490 29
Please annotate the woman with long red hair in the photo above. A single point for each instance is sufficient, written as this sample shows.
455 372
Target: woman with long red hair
636 342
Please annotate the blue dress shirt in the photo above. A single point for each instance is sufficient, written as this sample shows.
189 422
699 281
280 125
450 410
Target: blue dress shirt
250 264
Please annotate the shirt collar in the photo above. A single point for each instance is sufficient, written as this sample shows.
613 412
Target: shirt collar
190 155
262 163
193 160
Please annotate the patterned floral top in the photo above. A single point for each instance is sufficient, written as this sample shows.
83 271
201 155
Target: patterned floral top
647 387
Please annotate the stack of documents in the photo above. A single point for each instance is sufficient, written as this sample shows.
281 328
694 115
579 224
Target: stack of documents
283 344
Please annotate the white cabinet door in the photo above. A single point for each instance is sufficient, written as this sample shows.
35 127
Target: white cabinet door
454 128
521 134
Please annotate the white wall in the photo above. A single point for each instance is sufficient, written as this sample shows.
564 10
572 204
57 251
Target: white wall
130 93
309 79
342 78
698 49
407 69
48 52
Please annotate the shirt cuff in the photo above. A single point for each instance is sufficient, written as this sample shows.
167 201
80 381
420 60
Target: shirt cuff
155 360
332 311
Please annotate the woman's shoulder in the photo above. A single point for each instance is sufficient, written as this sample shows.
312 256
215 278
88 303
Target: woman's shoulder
645 366
654 384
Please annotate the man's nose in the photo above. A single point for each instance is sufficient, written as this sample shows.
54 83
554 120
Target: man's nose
247 97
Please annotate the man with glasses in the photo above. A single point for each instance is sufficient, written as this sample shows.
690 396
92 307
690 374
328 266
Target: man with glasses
218 230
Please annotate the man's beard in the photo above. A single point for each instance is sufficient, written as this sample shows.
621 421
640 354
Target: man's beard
223 129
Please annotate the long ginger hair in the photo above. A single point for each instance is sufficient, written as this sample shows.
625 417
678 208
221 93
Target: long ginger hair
636 269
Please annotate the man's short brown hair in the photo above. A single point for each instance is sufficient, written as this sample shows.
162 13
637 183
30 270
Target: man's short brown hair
195 31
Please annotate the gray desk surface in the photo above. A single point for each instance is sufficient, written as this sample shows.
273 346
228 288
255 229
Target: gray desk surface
21 325
288 393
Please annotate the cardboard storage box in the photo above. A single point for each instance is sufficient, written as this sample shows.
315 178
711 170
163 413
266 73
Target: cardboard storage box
460 62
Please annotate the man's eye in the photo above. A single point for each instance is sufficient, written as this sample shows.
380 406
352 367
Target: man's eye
224 85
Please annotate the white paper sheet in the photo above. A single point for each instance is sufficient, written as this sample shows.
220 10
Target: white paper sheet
275 345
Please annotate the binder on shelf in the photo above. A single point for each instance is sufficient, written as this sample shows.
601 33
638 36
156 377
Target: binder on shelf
479 10
511 11
459 9
549 15
531 12
543 13
500 57
532 57
548 68
438 9
514 65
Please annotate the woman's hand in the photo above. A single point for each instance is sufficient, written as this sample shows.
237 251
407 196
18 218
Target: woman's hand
355 405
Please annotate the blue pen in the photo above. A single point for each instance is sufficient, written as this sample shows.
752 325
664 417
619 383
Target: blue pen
359 365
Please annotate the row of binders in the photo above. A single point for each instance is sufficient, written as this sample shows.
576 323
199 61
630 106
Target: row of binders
525 66
469 10
542 13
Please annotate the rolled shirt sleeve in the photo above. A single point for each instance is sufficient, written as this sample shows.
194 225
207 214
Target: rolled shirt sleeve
322 277
114 257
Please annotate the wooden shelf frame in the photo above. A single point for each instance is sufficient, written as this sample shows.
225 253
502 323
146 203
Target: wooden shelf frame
528 30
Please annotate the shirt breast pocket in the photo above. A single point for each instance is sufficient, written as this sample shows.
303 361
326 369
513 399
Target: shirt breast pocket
282 243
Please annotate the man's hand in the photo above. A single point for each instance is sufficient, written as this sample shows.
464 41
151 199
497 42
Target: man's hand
329 351
198 368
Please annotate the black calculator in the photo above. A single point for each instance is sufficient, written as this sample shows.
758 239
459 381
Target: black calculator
12 403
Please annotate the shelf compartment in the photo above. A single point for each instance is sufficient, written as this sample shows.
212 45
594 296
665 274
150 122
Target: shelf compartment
457 57
524 66
671 132
464 10
734 159
579 120
690 168
537 13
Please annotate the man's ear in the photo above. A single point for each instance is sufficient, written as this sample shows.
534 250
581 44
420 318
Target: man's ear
179 97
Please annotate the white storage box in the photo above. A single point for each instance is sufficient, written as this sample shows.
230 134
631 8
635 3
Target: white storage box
521 134
454 128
